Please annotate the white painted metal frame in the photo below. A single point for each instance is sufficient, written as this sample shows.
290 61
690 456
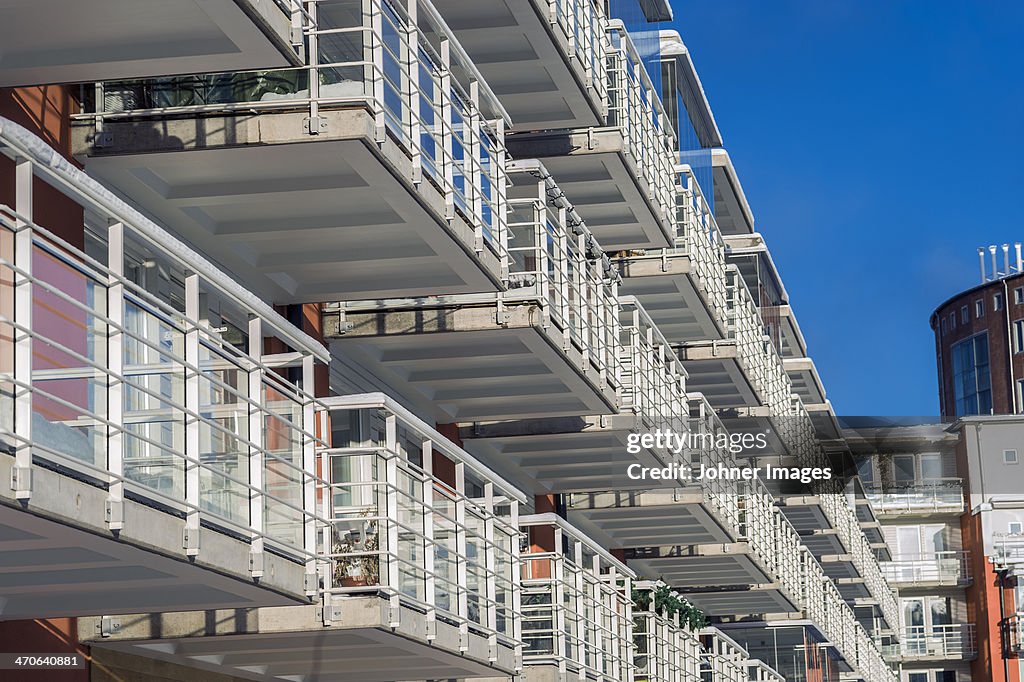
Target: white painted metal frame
653 379
945 568
584 25
446 542
723 659
665 649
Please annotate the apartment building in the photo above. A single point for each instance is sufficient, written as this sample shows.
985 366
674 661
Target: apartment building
325 325
948 500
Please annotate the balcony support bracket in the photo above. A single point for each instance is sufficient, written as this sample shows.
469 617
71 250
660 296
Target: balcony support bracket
114 514
315 125
21 482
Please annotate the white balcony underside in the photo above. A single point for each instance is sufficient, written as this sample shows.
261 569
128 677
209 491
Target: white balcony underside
65 41
602 183
59 558
806 382
299 218
460 365
668 292
294 644
567 454
653 518
523 60
715 371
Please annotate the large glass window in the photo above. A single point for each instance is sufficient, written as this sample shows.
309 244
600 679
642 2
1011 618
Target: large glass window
972 384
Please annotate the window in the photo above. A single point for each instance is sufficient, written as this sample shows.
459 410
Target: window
1009 456
1020 396
1018 336
997 302
979 308
945 676
944 330
972 384
1018 295
1015 528
965 315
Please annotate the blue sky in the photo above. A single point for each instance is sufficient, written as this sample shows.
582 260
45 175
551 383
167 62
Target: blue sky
879 145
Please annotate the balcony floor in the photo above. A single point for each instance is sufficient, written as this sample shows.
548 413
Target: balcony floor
58 558
66 41
670 294
294 644
460 365
298 218
601 182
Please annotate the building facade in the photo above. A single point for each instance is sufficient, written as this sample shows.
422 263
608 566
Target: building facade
979 340
325 331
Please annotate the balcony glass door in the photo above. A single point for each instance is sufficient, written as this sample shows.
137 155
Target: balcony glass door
925 621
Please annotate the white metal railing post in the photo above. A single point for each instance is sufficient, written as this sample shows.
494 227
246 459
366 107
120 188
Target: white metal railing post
114 386
193 497
556 569
410 78
373 18
313 71
447 130
462 574
490 568
516 578
257 438
427 493
309 471
473 185
21 474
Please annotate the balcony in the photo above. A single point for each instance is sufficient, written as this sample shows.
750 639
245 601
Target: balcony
418 570
131 39
943 496
755 571
568 454
159 454
743 370
1013 635
683 286
665 649
732 211
376 170
723 660
934 643
576 604
619 176
1008 552
546 347
759 671
545 59
935 569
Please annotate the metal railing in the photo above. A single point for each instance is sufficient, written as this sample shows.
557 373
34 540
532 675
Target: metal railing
932 568
955 641
722 660
584 26
665 649
653 380
418 519
755 352
759 671
698 236
1013 634
138 365
398 60
1007 549
576 603
939 495
635 108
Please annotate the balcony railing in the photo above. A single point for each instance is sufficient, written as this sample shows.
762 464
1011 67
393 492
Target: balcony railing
417 519
935 568
1007 549
939 495
396 59
1013 634
584 25
697 236
955 641
722 660
635 107
758 357
653 380
137 364
576 603
758 671
665 649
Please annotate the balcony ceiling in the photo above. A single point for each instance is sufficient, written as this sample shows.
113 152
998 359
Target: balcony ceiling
668 292
52 569
522 58
732 212
67 41
716 372
297 218
460 365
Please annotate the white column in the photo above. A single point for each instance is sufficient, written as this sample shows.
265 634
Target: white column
21 474
257 438
192 450
114 387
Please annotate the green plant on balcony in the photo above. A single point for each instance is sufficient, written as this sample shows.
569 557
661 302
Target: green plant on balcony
664 602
